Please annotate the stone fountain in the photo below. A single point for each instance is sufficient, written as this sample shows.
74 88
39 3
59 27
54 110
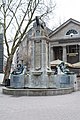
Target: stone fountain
41 80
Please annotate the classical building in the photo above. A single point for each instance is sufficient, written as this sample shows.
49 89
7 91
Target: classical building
22 55
65 42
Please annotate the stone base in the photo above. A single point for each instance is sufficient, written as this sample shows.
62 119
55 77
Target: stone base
37 92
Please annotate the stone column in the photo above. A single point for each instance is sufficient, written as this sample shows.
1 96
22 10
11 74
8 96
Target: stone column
44 54
32 55
64 54
51 54
79 53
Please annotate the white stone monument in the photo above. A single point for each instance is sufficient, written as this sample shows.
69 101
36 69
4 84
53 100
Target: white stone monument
40 72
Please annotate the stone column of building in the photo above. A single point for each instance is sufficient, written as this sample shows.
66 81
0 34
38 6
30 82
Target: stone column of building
64 54
79 52
51 54
79 55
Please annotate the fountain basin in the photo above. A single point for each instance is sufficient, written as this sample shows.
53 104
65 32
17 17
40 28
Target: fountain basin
37 92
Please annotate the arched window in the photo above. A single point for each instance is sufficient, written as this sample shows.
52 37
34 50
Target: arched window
72 31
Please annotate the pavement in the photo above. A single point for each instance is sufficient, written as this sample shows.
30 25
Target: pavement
61 107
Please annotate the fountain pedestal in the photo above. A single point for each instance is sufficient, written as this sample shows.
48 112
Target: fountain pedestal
40 72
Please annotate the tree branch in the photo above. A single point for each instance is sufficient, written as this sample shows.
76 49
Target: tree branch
5 38
14 15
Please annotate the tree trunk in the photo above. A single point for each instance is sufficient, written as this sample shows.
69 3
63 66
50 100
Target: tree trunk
8 68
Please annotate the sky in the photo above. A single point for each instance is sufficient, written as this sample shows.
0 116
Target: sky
66 9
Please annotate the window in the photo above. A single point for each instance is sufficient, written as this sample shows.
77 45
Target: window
72 49
72 31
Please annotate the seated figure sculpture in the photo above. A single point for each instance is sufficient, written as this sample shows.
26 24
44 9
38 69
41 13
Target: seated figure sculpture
61 69
18 77
18 70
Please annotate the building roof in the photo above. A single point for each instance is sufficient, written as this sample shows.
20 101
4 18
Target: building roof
63 25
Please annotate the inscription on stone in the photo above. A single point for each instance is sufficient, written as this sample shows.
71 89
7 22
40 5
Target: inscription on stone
37 57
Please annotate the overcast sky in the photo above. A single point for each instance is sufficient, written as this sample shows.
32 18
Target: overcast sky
66 9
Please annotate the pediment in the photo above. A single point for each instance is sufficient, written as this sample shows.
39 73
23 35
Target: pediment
71 28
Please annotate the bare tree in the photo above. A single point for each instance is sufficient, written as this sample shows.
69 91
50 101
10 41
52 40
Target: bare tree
17 16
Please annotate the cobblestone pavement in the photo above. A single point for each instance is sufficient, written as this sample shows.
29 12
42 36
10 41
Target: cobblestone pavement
62 107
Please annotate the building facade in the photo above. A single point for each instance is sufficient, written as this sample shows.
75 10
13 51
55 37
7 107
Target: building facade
23 52
65 42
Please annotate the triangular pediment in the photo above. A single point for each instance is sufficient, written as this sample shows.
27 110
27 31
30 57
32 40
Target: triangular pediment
61 31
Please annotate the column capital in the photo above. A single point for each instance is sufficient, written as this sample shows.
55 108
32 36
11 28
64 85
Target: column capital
63 45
